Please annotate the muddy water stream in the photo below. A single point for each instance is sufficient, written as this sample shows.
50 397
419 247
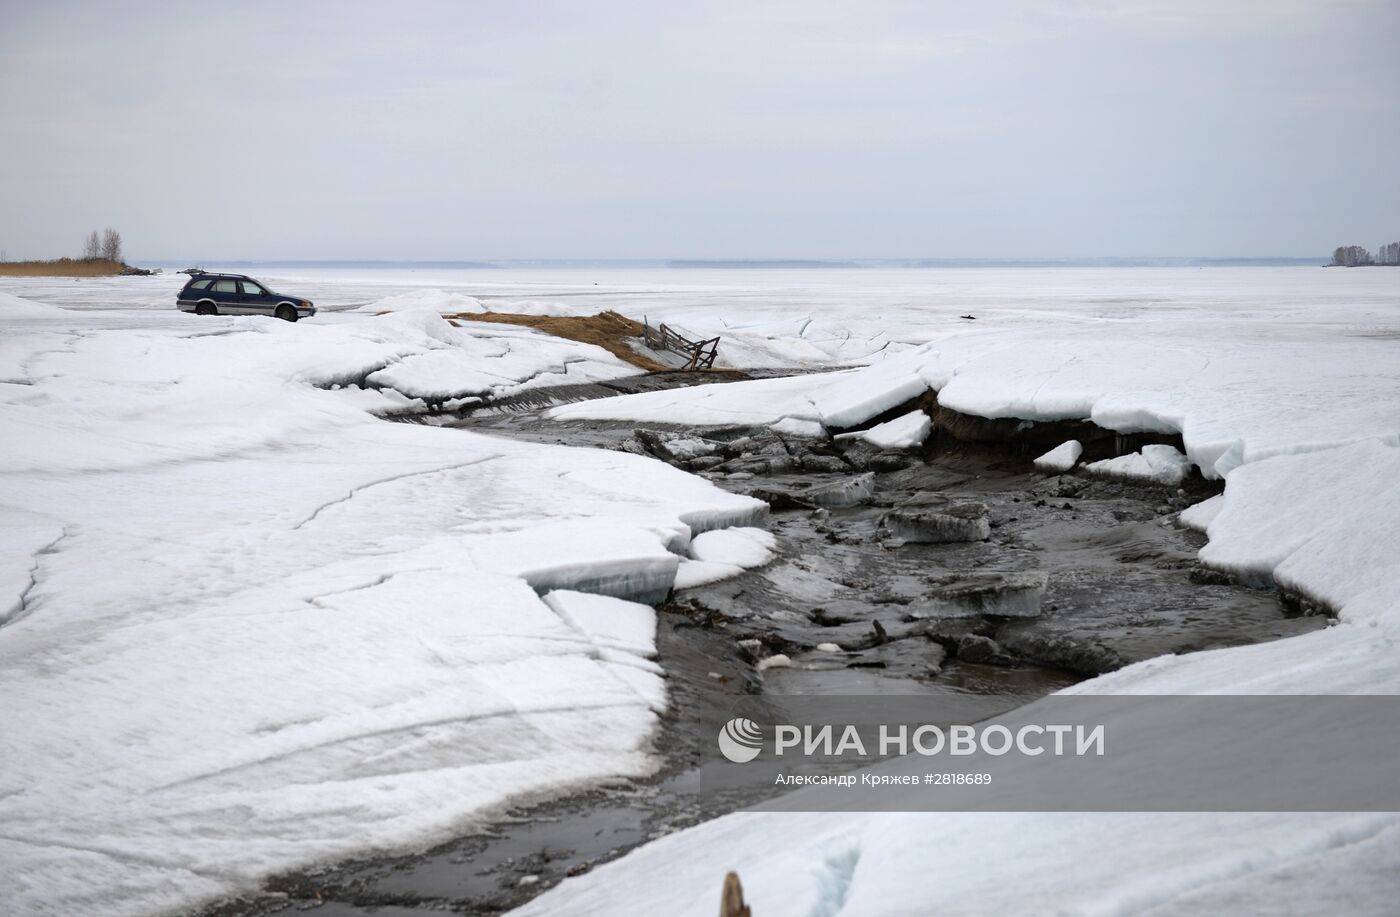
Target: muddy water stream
1120 584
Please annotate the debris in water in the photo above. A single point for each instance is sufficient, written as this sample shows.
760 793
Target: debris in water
1011 595
780 661
880 636
976 648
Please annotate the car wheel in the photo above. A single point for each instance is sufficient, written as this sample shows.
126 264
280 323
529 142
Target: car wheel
204 309
287 313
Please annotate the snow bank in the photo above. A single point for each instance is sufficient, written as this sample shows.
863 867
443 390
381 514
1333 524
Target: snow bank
532 307
769 401
907 431
247 625
491 361
452 302
1234 394
440 301
1333 538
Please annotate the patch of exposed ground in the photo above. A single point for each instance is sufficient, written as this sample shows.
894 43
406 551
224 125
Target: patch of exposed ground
960 543
609 330
66 267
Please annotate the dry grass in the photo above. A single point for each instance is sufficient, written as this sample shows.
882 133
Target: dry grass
61 267
608 330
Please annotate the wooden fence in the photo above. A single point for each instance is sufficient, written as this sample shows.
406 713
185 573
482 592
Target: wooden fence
700 353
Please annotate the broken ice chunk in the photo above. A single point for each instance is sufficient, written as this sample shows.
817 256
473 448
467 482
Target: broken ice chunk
780 661
1011 595
795 426
1161 464
675 447
907 431
849 492
1201 515
741 547
1061 458
938 523
692 573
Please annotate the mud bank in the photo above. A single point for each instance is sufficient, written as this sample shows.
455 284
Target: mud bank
1118 578
1036 582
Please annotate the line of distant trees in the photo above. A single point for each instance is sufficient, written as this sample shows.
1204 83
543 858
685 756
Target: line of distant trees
1357 255
103 246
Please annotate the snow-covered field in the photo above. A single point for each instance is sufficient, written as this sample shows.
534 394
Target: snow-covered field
244 624
334 617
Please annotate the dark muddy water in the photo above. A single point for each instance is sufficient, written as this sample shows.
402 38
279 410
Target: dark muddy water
855 613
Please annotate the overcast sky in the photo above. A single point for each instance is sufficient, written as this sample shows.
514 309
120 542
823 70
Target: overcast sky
810 129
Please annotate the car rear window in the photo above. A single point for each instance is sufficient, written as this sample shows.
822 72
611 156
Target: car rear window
226 286
200 284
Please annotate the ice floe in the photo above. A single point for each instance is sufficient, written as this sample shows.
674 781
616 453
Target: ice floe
247 625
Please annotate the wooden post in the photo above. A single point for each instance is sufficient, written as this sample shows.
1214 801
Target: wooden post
731 902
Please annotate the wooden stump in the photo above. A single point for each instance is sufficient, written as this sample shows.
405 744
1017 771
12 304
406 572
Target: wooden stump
731 902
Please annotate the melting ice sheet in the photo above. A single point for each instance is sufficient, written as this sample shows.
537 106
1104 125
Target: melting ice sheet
1301 417
1285 382
247 625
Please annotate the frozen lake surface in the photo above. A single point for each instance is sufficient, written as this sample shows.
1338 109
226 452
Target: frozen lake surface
239 606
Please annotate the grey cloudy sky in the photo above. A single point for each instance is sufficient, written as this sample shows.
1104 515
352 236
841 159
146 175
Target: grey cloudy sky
812 128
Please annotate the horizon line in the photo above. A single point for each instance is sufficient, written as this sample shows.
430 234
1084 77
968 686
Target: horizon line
684 263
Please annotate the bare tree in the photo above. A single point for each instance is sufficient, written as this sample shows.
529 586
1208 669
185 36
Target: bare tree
111 244
92 247
1351 256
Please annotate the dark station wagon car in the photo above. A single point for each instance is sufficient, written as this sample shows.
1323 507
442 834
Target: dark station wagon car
236 294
